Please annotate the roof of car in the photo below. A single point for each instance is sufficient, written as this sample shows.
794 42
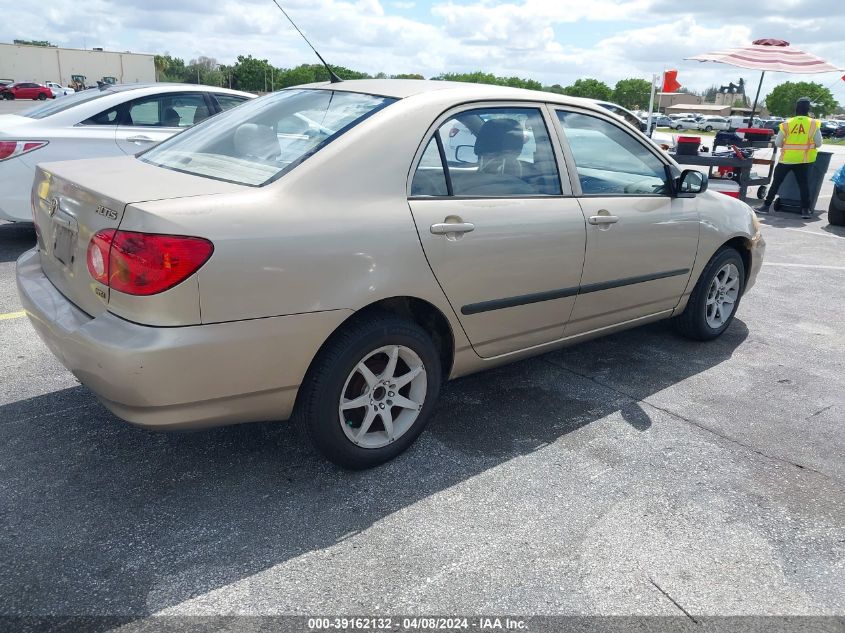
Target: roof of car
403 88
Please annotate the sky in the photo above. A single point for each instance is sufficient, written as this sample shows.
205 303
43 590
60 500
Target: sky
551 41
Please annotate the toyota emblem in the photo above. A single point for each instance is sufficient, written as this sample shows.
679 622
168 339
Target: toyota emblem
54 206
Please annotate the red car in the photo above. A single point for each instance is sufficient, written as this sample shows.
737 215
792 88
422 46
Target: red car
26 90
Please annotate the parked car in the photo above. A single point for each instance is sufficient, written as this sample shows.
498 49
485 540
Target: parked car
828 128
739 122
687 123
663 121
840 132
772 124
59 90
26 90
114 121
710 123
622 113
228 275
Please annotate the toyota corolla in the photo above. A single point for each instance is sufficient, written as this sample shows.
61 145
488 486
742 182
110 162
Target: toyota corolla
324 253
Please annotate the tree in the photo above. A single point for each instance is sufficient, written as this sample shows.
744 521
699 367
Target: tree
710 94
781 100
404 76
203 70
169 68
43 43
590 89
632 93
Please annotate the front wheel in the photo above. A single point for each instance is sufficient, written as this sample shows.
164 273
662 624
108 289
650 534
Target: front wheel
41 97
715 298
370 392
709 128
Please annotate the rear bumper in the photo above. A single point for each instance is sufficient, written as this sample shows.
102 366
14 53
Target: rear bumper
178 377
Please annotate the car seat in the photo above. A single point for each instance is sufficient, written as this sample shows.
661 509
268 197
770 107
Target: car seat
256 141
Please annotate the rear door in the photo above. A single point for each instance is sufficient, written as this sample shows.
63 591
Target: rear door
641 241
502 234
149 120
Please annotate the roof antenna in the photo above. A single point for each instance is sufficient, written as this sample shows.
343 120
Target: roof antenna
333 78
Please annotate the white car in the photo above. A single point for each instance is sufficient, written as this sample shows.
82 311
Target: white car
710 123
687 123
59 90
112 121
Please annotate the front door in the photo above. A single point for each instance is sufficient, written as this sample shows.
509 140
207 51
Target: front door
150 120
641 241
504 243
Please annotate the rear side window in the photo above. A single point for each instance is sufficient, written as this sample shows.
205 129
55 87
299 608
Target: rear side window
491 152
430 177
227 102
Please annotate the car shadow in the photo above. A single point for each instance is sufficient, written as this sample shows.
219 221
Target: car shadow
15 238
102 517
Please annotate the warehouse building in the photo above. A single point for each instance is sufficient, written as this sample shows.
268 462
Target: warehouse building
42 63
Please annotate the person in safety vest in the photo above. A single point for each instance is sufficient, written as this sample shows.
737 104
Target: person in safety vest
799 139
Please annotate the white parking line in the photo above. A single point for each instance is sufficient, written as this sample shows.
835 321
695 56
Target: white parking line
790 265
836 237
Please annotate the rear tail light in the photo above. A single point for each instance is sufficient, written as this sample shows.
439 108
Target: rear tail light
144 263
13 149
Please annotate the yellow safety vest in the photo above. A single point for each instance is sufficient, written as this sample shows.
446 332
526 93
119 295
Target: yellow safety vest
798 143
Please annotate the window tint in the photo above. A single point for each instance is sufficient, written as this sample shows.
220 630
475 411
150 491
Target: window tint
430 179
106 117
500 152
167 110
227 102
609 160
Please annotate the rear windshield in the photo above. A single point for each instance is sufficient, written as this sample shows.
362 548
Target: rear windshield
259 141
63 103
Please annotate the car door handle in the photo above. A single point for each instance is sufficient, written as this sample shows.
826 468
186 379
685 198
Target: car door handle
445 228
140 139
603 219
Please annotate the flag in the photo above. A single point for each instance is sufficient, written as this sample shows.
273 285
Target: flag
670 81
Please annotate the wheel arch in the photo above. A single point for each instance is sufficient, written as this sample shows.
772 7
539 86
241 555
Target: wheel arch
425 314
742 245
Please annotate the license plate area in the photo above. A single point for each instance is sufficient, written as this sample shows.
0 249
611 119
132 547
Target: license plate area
64 240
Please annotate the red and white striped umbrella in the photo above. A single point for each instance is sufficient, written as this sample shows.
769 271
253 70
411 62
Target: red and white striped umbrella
772 55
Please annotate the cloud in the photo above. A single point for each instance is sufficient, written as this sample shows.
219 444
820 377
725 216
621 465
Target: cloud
553 41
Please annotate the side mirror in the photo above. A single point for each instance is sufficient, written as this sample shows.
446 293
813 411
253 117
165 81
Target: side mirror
465 154
690 183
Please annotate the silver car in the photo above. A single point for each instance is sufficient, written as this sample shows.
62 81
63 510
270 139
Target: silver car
324 253
113 121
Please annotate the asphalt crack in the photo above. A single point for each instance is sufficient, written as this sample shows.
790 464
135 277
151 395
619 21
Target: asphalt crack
696 423
673 601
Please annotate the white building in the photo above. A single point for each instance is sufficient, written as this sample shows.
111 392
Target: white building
41 63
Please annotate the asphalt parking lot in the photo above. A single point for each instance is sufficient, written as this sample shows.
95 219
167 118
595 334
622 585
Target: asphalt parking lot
640 474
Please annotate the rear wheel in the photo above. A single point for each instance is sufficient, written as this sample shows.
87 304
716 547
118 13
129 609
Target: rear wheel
715 298
709 128
371 391
41 96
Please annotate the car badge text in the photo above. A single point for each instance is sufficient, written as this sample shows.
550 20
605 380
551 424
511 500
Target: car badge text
111 214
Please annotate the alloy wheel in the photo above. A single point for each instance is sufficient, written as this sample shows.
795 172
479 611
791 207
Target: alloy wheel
722 296
382 396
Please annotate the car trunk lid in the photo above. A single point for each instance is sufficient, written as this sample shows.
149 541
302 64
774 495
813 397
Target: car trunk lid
74 200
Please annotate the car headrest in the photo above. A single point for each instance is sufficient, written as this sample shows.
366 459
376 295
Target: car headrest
256 141
499 135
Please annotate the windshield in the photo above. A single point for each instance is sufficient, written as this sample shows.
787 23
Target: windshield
60 105
259 141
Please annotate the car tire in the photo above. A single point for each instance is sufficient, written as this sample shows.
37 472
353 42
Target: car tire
336 377
761 191
709 128
835 214
42 97
719 288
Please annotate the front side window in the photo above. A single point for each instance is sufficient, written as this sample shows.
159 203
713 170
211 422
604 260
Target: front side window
496 152
609 160
261 140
